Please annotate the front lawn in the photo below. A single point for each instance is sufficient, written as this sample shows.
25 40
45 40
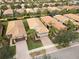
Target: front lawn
34 44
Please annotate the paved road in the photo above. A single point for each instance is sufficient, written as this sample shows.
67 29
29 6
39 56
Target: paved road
48 44
22 51
69 53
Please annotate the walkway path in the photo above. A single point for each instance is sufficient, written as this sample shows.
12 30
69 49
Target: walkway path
22 51
50 47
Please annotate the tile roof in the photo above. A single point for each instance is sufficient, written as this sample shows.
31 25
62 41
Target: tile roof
61 18
73 16
35 23
8 11
47 20
16 28
71 7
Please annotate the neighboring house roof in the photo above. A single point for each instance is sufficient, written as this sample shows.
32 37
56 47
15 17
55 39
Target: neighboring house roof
35 23
8 12
61 18
53 8
72 16
47 20
70 7
20 10
16 28
29 10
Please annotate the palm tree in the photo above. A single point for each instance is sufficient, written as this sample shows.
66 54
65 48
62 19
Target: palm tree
13 8
52 31
67 2
3 8
63 38
31 33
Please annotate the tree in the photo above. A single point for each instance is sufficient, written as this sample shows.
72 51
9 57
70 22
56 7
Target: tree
64 11
25 5
38 13
55 12
5 40
31 33
52 32
71 26
67 2
13 8
44 12
1 41
3 8
18 6
63 38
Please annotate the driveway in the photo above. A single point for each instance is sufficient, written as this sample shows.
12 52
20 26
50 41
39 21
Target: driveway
22 50
48 45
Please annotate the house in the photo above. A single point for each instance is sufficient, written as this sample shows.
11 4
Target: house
8 12
75 1
70 7
53 8
36 24
47 20
61 18
73 16
16 29
64 19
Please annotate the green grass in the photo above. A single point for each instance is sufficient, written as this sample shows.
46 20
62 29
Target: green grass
25 25
34 44
7 52
5 24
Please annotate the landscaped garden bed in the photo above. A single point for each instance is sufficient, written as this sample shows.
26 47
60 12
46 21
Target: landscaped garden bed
31 34
34 44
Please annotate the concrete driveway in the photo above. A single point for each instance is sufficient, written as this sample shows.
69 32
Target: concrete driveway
48 45
22 50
